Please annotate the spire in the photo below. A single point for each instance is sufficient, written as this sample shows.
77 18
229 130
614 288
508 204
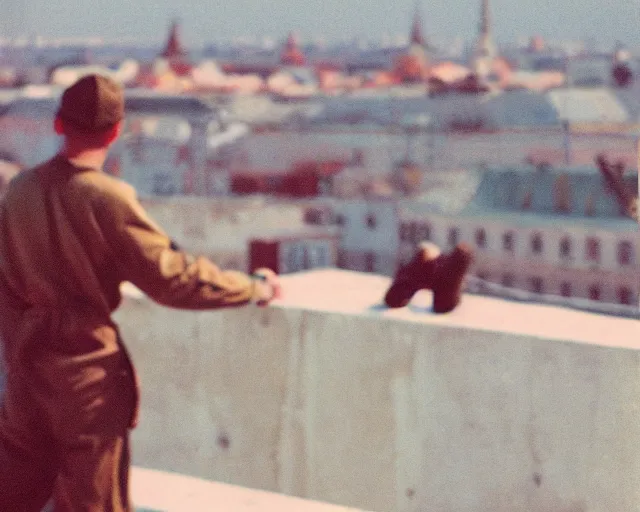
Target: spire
485 19
413 64
292 43
485 49
291 54
416 28
174 47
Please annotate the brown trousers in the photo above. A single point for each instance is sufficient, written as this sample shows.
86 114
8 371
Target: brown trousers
84 472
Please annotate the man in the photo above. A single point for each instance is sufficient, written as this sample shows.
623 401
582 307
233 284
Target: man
69 236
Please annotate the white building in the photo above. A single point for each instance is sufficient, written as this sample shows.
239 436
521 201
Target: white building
555 231
378 148
222 228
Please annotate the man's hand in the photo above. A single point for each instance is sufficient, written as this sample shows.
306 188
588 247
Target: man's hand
268 285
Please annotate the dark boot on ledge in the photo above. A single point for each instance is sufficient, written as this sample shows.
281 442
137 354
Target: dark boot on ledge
415 275
431 270
451 270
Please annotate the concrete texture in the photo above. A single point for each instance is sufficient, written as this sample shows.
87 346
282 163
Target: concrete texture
496 407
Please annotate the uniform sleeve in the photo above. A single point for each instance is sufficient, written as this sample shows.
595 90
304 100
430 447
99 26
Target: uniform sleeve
148 258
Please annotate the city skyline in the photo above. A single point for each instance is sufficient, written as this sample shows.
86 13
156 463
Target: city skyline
329 20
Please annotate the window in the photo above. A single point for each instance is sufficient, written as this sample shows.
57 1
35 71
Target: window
405 232
306 257
565 289
508 280
295 258
483 278
424 232
453 236
371 221
370 262
562 193
592 249
340 220
319 255
535 284
536 243
508 241
313 216
594 292
565 247
481 238
625 253
413 232
625 296
357 158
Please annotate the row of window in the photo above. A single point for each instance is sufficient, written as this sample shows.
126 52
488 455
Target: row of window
370 220
415 232
536 284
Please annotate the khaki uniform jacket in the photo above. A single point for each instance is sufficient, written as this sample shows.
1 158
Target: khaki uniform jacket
68 238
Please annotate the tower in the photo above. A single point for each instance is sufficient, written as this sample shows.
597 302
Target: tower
416 37
417 42
485 51
413 65
174 52
173 49
291 54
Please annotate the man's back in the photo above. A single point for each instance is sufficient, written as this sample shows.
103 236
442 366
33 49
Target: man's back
59 282
53 250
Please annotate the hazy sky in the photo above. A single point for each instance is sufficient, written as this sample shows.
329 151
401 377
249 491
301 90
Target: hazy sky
202 21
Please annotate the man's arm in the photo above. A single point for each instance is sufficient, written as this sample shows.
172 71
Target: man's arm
146 257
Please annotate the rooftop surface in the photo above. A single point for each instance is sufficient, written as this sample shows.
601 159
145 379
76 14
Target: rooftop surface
158 491
354 293
504 190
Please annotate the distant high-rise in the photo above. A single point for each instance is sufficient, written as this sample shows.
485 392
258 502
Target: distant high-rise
485 52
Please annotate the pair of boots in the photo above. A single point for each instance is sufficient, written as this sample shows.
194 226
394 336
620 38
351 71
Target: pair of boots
430 270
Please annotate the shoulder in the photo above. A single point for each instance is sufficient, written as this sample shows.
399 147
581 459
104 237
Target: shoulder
101 185
113 201
21 184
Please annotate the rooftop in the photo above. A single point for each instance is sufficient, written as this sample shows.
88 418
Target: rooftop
156 491
360 294
495 406
581 189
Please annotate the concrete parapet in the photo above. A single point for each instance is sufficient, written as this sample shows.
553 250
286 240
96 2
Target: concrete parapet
497 406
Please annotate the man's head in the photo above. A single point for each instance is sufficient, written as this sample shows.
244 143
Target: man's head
91 111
